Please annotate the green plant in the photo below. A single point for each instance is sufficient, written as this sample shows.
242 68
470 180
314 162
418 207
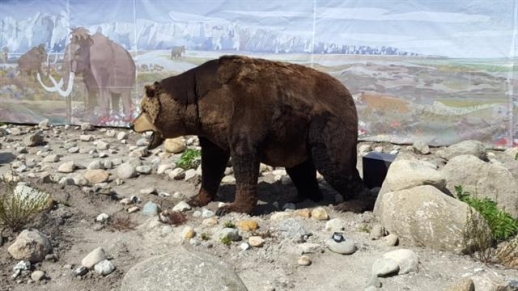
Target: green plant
205 236
501 223
229 224
516 157
226 241
18 209
188 158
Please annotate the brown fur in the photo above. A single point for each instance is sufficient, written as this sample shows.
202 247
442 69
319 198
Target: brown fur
254 111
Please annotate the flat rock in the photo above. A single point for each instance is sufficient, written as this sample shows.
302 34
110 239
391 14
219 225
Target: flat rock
96 176
467 147
93 258
406 259
384 267
182 270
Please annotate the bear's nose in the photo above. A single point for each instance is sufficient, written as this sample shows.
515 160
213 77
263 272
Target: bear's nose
132 126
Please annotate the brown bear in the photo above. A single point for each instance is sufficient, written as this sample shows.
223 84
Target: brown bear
260 111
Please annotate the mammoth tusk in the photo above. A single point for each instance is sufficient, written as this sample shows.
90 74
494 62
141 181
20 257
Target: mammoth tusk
50 89
67 92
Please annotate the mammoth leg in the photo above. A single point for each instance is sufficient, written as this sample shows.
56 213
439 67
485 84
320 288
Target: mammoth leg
126 105
213 163
116 98
334 155
104 102
304 176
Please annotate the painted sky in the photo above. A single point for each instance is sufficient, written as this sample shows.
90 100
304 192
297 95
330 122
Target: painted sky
476 28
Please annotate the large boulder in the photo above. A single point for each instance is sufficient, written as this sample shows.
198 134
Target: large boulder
482 180
467 147
30 245
182 270
427 217
405 174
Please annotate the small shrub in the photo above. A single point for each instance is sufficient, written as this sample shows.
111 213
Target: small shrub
16 211
226 241
229 224
205 236
516 157
188 158
501 223
121 223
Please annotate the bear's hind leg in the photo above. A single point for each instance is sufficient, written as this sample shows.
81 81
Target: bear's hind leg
334 155
304 177
213 163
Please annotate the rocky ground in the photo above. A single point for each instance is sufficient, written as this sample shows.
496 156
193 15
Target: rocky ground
107 191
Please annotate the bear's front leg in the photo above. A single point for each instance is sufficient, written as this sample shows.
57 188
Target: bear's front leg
246 171
214 160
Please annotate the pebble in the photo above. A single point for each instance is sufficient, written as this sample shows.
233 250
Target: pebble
188 233
256 241
52 158
104 267
144 169
96 176
346 247
248 225
122 135
80 271
102 218
148 191
212 221
305 213
182 206
150 209
319 213
126 171
85 126
309 248
37 275
229 233
377 232
304 261
177 174
93 258
244 246
133 209
391 240
190 175
31 245
86 137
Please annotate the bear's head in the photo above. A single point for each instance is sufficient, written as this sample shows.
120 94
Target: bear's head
149 110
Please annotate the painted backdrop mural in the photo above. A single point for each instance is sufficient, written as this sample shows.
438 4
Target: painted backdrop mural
432 71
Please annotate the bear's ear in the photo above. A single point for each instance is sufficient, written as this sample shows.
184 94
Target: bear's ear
150 91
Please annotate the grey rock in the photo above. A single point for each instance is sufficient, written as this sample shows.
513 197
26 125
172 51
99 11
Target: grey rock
391 240
102 145
142 142
126 171
37 275
30 245
467 147
421 147
144 169
104 267
384 267
405 174
377 232
291 228
483 180
181 206
35 139
426 216
229 233
67 167
80 271
122 135
407 260
150 209
52 158
86 137
93 258
346 247
182 270
87 126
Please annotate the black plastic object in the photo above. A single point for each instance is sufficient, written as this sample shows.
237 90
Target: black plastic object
375 168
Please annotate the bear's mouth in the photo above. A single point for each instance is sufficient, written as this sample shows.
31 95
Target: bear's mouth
156 140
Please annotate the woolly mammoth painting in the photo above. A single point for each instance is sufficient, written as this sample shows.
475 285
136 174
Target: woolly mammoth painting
108 72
